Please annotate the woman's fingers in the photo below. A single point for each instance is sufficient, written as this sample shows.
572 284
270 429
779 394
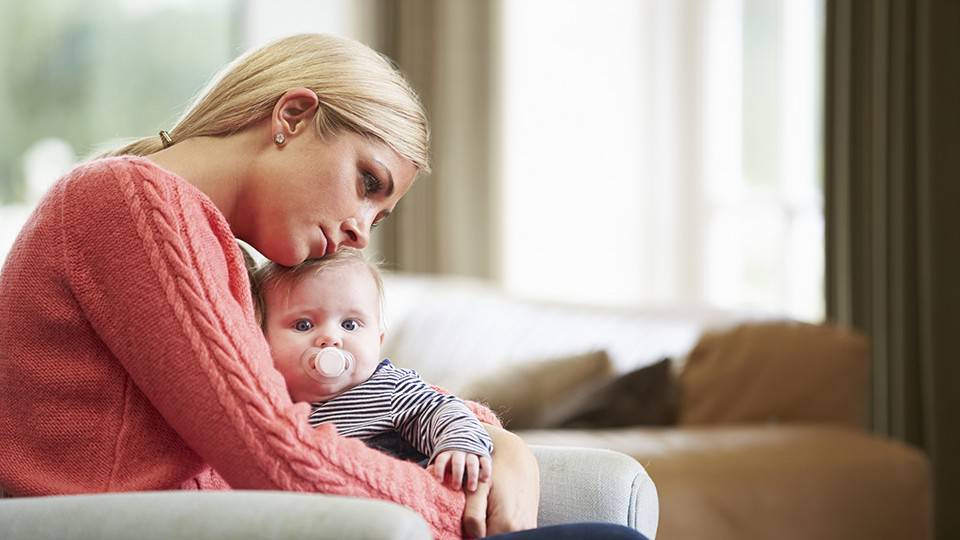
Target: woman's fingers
475 512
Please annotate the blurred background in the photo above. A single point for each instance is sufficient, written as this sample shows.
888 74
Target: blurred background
782 158
665 153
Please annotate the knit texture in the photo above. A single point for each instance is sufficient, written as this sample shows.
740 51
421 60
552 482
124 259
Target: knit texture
130 359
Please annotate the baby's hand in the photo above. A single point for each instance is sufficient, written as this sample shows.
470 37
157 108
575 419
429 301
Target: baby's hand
455 464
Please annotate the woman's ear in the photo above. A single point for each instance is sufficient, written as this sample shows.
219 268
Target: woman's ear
293 110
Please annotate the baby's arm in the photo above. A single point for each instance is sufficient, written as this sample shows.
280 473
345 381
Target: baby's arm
442 427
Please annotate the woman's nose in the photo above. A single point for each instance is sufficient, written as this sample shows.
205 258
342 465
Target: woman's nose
357 233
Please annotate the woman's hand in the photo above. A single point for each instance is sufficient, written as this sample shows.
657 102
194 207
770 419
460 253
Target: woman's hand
511 500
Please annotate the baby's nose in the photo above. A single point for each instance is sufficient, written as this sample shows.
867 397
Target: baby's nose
329 341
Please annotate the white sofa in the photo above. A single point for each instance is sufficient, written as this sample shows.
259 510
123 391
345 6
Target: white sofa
454 331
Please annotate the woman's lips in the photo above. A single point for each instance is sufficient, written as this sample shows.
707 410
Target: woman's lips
331 245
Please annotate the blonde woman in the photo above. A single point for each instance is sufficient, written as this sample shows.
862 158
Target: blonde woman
130 358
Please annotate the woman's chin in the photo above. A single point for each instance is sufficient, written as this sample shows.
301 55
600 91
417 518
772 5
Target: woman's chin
289 259
290 256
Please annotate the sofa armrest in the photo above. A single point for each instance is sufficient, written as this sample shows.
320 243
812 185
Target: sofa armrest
226 515
576 484
588 484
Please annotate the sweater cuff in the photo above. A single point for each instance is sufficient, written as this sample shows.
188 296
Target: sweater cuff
483 413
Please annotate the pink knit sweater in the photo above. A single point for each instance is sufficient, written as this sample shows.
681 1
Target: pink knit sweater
130 359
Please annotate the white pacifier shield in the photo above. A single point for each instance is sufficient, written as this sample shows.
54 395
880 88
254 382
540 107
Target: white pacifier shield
331 362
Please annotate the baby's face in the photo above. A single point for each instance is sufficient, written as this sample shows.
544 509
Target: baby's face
336 307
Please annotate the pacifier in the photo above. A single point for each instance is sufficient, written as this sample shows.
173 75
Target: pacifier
327 364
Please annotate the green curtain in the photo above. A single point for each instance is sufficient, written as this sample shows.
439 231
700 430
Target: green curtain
892 193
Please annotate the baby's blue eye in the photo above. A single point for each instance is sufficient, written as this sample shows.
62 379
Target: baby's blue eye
302 325
349 325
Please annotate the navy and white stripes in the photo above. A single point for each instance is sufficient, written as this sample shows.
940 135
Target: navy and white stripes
396 399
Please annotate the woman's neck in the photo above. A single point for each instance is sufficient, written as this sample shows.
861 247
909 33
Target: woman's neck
215 165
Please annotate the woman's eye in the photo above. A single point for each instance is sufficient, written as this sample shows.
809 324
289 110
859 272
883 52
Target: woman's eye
371 184
302 325
350 325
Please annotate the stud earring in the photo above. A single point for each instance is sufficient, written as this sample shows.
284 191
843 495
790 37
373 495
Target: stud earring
279 138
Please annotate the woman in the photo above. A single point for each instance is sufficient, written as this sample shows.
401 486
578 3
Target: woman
129 349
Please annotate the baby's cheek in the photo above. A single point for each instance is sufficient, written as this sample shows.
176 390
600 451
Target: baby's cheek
369 366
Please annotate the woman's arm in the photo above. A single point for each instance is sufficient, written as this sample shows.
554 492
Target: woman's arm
161 281
511 500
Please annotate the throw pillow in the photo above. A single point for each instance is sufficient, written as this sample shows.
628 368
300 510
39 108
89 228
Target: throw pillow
648 396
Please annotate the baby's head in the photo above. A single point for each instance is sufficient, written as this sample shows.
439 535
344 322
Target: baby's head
331 302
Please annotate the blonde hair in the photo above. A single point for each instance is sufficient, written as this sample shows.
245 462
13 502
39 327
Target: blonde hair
359 90
271 274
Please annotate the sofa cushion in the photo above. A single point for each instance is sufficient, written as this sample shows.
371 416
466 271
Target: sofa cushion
776 371
534 395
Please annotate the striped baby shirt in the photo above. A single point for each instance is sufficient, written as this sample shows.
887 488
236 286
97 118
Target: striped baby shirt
397 399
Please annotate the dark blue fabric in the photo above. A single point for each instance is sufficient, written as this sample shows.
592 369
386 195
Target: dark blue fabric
393 444
571 531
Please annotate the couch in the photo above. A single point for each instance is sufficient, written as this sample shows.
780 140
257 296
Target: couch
762 434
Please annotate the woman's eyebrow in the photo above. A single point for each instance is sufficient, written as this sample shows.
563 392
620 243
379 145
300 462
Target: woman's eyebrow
389 191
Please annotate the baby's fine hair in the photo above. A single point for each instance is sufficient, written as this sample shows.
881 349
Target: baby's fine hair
269 275
359 91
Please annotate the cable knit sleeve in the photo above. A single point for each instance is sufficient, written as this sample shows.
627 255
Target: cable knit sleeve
159 277
483 413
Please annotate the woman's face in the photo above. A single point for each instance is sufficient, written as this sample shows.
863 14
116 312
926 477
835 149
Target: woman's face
310 196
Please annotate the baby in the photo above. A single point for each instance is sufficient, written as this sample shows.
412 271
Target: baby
323 321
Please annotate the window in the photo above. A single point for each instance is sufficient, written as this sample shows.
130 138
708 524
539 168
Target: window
77 75
664 153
